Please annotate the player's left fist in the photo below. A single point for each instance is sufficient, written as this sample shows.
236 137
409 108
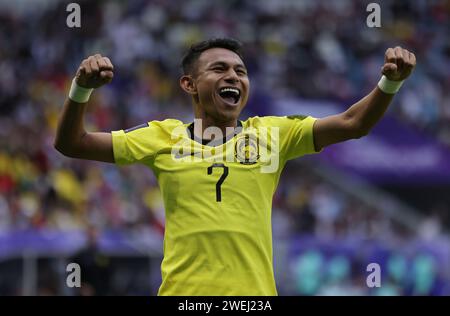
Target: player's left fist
398 63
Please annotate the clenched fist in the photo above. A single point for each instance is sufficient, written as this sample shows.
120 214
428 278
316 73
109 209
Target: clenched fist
94 72
398 63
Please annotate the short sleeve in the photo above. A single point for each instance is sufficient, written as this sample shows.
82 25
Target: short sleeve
296 135
136 144
292 135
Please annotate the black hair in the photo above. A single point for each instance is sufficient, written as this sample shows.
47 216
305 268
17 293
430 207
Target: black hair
194 52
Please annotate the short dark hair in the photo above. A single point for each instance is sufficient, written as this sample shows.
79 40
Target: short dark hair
194 52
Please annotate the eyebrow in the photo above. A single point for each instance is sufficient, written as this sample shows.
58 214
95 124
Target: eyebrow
225 64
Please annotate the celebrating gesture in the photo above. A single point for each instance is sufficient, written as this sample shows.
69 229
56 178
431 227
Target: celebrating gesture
94 72
398 63
218 233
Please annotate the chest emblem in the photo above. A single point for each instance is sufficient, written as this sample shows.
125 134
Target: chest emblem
246 149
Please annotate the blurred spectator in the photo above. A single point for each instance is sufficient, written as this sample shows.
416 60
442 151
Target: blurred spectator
95 270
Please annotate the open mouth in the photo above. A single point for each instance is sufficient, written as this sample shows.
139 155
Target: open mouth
230 95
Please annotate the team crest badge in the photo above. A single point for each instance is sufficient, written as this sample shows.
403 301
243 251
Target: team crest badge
246 149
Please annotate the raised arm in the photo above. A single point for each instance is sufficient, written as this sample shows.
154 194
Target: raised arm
359 119
72 139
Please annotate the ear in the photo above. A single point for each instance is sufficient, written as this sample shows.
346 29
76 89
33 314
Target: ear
187 84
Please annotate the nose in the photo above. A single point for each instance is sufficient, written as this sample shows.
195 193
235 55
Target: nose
231 77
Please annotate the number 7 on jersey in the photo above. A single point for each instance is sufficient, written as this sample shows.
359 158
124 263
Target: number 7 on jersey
221 179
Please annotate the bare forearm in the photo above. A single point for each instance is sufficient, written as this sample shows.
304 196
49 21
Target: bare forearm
71 138
74 141
361 117
369 110
70 129
399 63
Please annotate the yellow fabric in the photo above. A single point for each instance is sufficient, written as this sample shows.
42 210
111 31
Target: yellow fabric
214 247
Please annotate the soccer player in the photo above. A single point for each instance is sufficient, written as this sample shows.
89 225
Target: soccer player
218 237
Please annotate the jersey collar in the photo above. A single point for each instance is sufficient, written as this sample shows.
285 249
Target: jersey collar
217 142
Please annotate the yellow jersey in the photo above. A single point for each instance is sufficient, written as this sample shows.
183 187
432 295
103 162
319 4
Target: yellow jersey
217 198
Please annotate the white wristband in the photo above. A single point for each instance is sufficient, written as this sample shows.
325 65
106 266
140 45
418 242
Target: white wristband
78 93
389 86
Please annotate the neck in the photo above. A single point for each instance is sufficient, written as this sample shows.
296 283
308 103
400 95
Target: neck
203 121
201 124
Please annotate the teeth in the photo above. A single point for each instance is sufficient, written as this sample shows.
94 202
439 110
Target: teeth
236 91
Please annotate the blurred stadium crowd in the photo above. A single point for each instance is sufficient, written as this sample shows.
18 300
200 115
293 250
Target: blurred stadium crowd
312 49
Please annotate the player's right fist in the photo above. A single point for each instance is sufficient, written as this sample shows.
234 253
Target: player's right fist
94 72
